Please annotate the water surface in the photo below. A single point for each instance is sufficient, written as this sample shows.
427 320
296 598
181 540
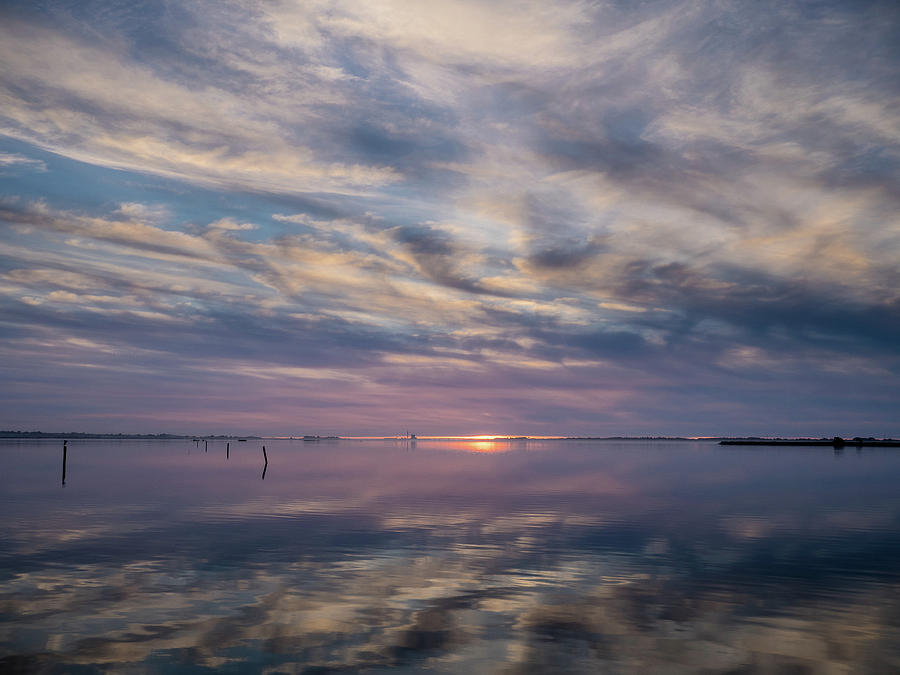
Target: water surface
487 557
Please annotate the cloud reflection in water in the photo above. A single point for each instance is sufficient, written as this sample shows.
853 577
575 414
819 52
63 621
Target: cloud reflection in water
355 555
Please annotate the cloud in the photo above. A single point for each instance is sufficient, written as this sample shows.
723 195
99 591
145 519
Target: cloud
145 212
100 106
515 33
698 196
9 160
230 225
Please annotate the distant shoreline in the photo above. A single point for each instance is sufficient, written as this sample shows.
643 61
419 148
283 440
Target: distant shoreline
124 437
836 442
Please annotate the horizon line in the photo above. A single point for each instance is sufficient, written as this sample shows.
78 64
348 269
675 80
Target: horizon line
447 437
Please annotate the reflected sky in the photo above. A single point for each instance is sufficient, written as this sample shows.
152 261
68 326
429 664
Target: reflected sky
518 557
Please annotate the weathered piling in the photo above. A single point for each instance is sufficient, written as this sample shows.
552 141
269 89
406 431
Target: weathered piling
65 452
227 450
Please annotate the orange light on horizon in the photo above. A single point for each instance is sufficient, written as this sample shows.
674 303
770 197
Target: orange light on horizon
481 443
489 437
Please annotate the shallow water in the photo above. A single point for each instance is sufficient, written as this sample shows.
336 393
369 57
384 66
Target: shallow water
469 557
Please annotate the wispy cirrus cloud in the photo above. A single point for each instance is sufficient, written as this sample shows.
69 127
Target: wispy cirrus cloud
12 161
642 201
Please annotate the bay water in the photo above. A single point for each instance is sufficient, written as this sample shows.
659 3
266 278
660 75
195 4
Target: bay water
500 557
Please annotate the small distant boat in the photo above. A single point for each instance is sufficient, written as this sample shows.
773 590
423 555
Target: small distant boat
242 440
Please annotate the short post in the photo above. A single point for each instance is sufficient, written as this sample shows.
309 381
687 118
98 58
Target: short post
227 450
65 448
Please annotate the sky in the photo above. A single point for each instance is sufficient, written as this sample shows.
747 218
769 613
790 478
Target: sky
450 217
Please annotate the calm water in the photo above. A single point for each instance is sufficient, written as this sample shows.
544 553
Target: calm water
521 557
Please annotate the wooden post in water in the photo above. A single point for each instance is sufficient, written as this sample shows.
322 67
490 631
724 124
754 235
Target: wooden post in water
65 448
227 450
205 446
266 465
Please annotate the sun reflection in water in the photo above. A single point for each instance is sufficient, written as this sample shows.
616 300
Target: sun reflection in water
480 444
